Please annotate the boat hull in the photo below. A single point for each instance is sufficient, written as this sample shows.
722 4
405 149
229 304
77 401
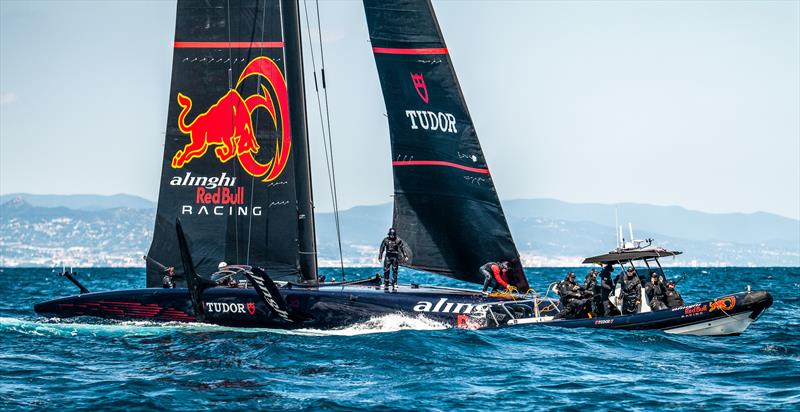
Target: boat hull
725 316
324 307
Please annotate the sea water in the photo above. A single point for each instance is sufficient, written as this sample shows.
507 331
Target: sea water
394 362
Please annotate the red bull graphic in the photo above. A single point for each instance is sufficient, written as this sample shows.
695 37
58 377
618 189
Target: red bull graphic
726 303
228 124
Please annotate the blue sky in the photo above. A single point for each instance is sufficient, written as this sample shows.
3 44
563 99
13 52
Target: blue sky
694 104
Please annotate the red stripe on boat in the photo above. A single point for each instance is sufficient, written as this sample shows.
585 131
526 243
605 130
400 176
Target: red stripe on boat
439 163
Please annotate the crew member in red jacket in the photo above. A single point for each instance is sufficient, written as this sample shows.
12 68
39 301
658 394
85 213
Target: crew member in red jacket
495 275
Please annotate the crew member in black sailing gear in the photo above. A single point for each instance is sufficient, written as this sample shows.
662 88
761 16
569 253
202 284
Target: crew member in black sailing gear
395 250
168 279
672 296
606 286
570 294
631 292
589 286
656 292
495 276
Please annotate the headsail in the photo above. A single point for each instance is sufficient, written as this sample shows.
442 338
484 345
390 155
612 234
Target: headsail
445 204
231 170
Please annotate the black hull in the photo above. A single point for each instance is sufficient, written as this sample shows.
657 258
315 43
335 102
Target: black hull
325 307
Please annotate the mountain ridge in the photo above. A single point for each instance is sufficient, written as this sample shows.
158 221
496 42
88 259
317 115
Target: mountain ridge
548 232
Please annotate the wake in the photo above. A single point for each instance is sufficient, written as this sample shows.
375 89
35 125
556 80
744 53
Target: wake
62 327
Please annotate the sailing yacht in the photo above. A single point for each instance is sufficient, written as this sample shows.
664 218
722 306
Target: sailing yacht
236 183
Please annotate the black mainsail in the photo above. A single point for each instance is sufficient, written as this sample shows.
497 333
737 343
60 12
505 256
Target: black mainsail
236 167
445 204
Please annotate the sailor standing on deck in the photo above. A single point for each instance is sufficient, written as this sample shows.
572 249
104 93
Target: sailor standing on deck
395 250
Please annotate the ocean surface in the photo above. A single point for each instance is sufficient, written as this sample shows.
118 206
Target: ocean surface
395 362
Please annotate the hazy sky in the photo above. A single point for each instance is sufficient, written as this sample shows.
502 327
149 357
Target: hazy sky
694 104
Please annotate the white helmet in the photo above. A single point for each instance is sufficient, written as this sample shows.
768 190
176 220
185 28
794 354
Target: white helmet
221 265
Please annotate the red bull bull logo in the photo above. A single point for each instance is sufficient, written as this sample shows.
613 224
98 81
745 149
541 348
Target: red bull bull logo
228 126
726 303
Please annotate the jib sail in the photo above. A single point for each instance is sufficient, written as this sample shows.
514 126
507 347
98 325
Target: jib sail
235 167
445 204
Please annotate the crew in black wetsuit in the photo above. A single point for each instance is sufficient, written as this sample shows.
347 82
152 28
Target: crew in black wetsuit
494 275
656 292
395 250
571 298
168 278
589 286
631 292
606 287
672 296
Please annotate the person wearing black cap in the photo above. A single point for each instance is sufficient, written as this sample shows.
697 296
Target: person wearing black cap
631 292
656 292
395 250
606 286
672 296
570 297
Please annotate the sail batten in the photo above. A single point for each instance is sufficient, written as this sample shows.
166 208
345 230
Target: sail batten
445 205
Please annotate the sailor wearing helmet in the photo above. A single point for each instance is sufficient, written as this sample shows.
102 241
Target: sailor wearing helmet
395 250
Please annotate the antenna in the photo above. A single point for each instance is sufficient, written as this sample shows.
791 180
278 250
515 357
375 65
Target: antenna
630 230
621 239
616 224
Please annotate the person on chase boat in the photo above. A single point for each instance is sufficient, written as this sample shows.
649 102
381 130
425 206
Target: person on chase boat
495 275
395 250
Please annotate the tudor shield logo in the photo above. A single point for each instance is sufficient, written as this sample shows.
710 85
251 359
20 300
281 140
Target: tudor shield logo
419 84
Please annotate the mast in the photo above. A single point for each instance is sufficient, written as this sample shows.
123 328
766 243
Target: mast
306 235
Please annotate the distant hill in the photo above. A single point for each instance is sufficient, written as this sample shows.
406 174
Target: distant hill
690 224
82 202
79 230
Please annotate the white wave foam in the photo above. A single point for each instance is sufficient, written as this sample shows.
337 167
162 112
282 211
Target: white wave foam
381 324
61 327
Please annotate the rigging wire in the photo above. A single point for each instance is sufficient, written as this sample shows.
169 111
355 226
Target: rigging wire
330 138
255 128
325 137
230 87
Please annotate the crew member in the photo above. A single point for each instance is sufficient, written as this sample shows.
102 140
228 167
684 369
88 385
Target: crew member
631 292
673 298
571 295
589 285
656 292
494 275
606 287
168 279
395 250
